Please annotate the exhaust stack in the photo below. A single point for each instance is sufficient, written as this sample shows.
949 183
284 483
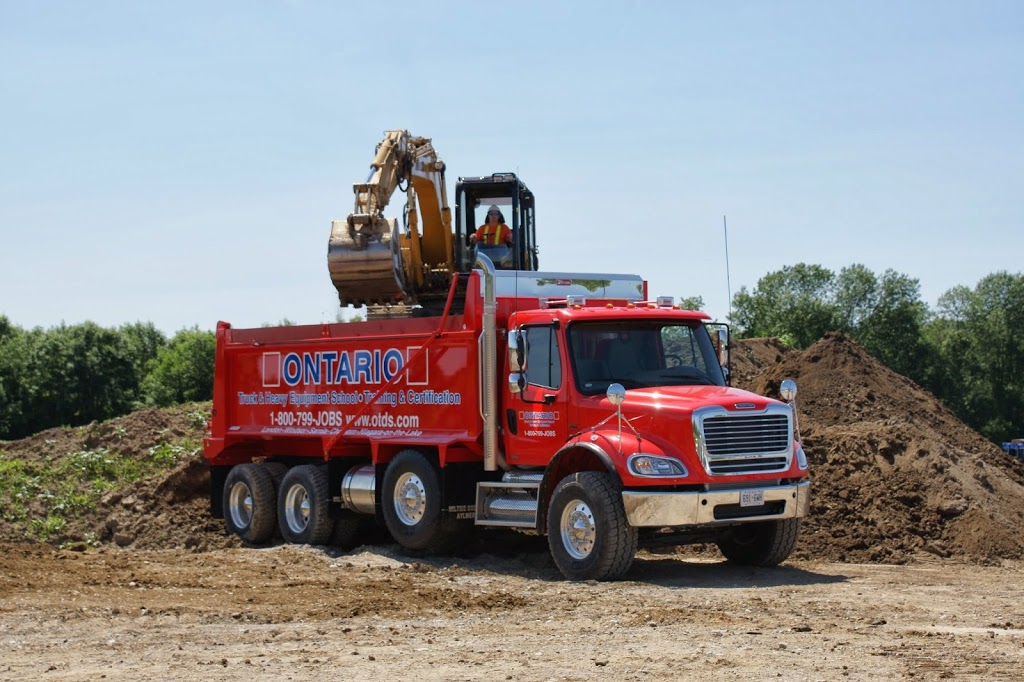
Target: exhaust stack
489 365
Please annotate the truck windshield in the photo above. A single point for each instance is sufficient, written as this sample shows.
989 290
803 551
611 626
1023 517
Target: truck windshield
642 354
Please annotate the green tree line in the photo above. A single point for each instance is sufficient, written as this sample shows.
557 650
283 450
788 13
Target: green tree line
73 374
969 351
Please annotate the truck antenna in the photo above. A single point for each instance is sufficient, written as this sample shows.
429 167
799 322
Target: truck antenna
728 279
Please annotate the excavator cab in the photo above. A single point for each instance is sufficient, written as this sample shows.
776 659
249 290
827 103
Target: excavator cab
375 262
473 195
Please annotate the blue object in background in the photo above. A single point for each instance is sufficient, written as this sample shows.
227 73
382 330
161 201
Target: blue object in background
1015 450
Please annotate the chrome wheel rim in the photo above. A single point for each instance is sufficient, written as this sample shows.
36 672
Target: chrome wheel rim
240 505
296 509
579 532
410 499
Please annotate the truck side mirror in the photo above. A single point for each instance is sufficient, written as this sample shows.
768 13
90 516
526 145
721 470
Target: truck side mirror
515 351
719 332
616 394
787 390
723 350
516 381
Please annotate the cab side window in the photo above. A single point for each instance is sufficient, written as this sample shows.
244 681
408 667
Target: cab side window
681 347
543 362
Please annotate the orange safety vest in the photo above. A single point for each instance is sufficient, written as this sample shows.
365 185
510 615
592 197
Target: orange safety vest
496 238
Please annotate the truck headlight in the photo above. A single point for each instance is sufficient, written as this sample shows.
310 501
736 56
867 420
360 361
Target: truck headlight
649 465
801 458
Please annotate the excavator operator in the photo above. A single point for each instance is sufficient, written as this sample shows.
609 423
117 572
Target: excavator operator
494 232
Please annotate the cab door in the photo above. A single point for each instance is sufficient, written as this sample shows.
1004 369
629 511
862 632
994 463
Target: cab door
535 418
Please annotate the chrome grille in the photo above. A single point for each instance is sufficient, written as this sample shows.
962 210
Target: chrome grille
731 443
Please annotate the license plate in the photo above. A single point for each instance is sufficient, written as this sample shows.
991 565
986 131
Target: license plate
751 498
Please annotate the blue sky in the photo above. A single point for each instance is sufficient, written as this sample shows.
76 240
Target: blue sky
180 163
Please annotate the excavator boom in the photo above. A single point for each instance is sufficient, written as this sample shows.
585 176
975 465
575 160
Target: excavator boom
370 260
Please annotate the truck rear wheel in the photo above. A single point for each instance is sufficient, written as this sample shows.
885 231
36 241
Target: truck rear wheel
588 533
349 529
764 543
250 509
412 502
303 515
277 470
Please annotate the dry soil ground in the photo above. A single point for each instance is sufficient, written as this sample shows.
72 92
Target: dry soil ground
291 612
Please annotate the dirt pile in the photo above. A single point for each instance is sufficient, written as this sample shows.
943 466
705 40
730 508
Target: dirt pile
167 509
132 434
750 357
895 472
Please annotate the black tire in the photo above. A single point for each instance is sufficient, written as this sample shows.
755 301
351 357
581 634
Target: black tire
588 533
302 506
277 471
411 503
250 504
763 543
350 529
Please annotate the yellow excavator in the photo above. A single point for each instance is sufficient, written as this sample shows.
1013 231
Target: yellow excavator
375 261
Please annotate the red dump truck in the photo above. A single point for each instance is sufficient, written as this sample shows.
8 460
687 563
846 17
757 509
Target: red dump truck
563 404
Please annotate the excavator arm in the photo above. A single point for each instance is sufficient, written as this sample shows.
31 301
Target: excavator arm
372 261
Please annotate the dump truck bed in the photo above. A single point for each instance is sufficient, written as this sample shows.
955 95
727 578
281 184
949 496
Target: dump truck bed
322 390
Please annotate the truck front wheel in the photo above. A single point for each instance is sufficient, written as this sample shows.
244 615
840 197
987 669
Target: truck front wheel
412 502
249 503
763 543
588 533
303 499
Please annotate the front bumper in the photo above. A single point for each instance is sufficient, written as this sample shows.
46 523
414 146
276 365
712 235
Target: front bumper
712 507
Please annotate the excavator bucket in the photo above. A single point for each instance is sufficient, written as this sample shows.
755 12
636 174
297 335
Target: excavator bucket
364 262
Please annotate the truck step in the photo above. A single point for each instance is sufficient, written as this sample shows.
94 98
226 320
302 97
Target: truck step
527 478
510 502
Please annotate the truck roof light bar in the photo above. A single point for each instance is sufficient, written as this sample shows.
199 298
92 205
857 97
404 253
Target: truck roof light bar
668 302
571 301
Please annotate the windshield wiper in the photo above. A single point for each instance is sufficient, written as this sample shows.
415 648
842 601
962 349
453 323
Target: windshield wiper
626 383
690 375
689 380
